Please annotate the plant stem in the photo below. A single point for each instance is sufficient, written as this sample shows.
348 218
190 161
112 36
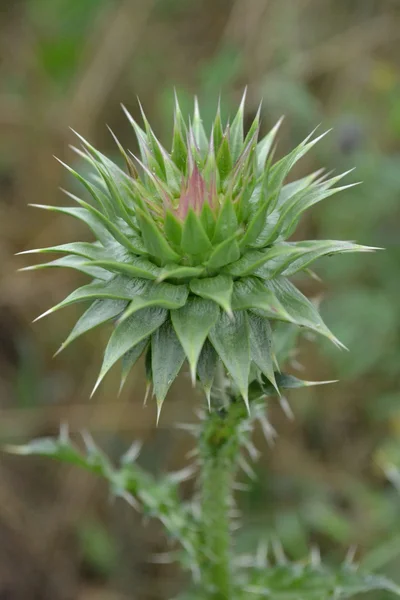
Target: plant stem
219 450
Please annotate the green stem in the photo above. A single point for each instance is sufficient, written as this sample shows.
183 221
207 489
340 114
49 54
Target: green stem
219 449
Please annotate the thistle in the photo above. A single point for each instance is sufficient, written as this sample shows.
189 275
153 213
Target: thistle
192 259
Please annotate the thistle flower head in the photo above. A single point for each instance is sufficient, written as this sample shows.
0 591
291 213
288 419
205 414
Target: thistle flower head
192 259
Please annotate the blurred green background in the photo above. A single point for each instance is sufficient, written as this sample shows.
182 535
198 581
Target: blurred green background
70 63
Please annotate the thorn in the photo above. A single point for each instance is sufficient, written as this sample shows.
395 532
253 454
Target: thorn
63 435
270 433
351 552
147 393
131 500
315 556
183 474
159 407
252 450
246 468
132 453
163 558
241 487
89 442
285 406
278 551
261 558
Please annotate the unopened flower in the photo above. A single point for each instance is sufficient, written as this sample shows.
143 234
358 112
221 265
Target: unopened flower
191 259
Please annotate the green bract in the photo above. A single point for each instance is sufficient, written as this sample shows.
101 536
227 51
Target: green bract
191 259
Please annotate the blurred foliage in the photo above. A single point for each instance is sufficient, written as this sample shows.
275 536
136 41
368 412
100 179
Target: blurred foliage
70 63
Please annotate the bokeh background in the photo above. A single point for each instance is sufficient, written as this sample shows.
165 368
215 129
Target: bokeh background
70 63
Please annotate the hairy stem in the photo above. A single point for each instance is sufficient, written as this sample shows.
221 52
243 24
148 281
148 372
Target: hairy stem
219 448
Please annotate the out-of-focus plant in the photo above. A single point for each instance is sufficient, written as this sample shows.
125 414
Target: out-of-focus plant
191 262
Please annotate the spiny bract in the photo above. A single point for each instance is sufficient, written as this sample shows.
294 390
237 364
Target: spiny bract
191 259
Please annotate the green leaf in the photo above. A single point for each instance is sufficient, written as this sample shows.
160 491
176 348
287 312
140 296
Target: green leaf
173 228
136 267
179 272
314 249
225 253
299 308
118 288
217 130
99 312
230 338
281 223
179 149
198 130
252 293
167 357
129 333
285 381
253 260
219 289
207 219
255 226
164 295
261 346
132 243
130 358
206 368
224 158
154 241
236 133
227 223
73 262
264 146
85 249
192 324
194 238
280 170
83 215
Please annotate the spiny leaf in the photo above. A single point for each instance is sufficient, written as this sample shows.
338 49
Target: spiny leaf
130 358
132 243
129 333
179 150
227 223
198 130
225 253
236 134
230 338
173 229
224 158
265 145
167 358
164 295
261 346
217 129
99 312
92 251
194 239
154 241
206 368
173 271
280 170
83 215
286 381
219 289
136 267
251 293
301 310
73 262
295 256
192 324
